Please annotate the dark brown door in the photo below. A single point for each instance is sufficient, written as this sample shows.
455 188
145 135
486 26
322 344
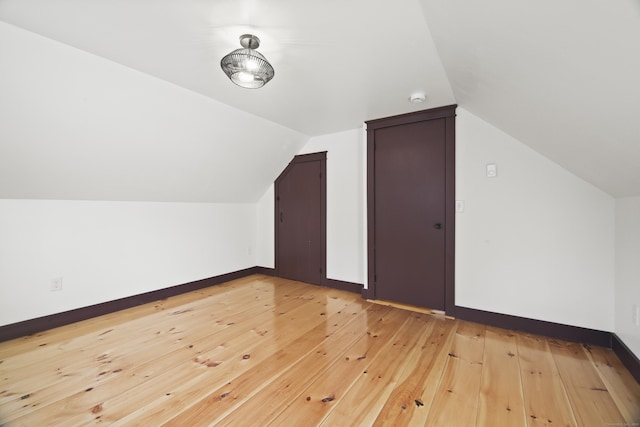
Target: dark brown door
300 217
409 212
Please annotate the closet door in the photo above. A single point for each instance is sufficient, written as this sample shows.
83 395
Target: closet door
408 210
300 219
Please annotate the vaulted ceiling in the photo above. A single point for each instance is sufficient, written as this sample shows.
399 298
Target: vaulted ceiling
561 77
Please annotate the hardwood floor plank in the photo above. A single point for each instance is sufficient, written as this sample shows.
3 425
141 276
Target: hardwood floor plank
501 400
591 402
215 365
545 398
203 402
144 325
279 392
624 389
251 351
321 396
456 400
366 398
410 401
68 351
52 336
133 362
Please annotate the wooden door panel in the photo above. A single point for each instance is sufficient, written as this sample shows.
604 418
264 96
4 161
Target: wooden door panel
409 203
300 218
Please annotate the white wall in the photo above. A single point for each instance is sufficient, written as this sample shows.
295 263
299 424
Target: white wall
344 202
344 207
265 256
627 290
109 250
536 241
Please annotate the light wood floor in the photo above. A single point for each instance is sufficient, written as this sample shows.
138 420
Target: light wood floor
263 351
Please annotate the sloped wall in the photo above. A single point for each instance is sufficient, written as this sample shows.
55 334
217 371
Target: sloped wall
79 127
536 241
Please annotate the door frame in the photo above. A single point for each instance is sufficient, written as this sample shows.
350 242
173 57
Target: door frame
303 158
448 113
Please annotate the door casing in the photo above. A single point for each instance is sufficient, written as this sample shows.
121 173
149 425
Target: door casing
319 158
448 114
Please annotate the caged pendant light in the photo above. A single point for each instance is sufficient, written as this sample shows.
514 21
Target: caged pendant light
247 67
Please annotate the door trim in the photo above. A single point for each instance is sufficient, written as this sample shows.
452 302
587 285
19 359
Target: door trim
448 113
303 158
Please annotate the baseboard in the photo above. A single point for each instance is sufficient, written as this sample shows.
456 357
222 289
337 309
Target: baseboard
538 327
266 271
330 283
28 327
626 356
368 293
343 286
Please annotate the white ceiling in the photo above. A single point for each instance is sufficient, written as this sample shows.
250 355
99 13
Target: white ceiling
561 76
337 63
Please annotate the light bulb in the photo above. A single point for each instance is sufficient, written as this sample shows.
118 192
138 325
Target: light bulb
245 77
251 65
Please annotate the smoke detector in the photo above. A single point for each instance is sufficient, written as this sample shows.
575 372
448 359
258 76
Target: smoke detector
417 98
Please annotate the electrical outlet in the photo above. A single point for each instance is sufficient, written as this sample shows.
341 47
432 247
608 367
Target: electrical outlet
56 284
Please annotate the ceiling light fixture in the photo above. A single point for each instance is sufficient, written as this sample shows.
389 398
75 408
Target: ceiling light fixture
247 67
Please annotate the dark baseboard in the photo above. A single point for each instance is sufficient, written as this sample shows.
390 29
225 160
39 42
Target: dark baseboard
266 271
329 283
626 356
28 327
343 286
368 293
538 327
